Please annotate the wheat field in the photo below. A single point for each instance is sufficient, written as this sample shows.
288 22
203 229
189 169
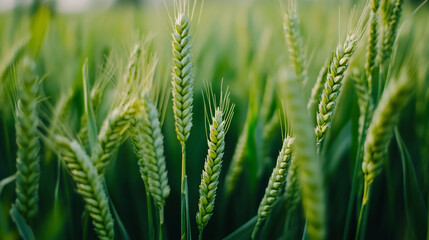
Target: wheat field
188 119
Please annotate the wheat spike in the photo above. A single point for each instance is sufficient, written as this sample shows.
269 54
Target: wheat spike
275 184
295 43
390 33
386 117
182 78
316 91
332 87
371 53
292 193
89 186
149 145
309 171
212 168
27 140
236 166
220 119
112 134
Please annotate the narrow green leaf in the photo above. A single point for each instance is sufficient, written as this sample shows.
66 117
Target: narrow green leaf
85 224
415 208
24 230
122 230
243 232
89 110
150 216
6 181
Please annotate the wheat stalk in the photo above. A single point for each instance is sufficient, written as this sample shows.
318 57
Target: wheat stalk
331 90
89 186
275 184
182 91
386 117
309 171
149 145
27 140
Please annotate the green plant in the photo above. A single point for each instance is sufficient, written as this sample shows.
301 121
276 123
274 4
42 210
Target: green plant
221 117
331 90
149 144
182 93
386 117
104 128
28 159
88 185
276 183
309 170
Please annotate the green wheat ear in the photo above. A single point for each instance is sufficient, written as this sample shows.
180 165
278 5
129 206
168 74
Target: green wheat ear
292 193
386 117
275 184
149 146
372 42
28 160
212 167
309 170
237 161
389 35
331 90
182 78
136 78
112 134
295 42
89 186
317 89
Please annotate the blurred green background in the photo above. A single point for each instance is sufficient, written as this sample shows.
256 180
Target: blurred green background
241 42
